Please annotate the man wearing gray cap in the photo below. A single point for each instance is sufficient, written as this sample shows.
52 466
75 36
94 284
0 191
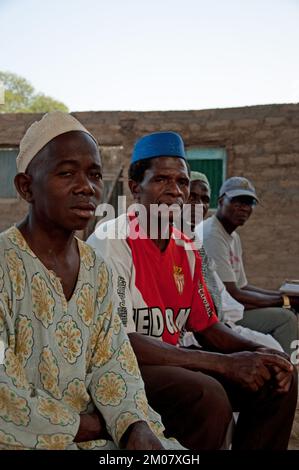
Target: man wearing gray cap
266 311
68 376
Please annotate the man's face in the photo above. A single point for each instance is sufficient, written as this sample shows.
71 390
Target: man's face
67 182
199 194
236 210
165 182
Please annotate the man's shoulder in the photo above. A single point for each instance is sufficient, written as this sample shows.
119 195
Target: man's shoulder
94 264
177 234
110 231
7 234
236 239
12 238
210 223
180 241
109 240
212 228
236 236
3 241
87 253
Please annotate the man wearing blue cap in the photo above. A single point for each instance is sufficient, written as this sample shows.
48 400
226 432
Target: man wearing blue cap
162 292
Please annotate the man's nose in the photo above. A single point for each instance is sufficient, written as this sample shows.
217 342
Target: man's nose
245 207
174 188
84 185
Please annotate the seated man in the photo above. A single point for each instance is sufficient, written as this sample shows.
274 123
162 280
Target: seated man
161 292
229 311
68 376
264 310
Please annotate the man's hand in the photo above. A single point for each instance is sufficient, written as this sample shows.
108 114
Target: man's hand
252 369
266 350
92 426
283 380
283 377
140 437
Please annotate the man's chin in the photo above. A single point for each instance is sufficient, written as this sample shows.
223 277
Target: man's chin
241 221
80 225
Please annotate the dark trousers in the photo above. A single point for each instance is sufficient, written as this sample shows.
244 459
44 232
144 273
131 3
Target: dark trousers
196 409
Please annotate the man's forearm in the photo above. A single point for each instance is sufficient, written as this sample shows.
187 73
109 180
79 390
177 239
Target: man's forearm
254 298
139 436
249 368
251 288
223 339
150 351
260 299
92 426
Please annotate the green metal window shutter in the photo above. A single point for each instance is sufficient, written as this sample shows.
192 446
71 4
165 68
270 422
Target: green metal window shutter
211 162
8 170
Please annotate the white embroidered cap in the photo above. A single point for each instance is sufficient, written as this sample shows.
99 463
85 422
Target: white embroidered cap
41 132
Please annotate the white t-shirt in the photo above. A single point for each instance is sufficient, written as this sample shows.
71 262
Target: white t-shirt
231 309
226 250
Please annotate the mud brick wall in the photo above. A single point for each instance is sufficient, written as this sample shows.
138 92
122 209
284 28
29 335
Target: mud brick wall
262 143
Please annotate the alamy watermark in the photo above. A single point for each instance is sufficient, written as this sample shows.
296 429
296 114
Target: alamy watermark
153 221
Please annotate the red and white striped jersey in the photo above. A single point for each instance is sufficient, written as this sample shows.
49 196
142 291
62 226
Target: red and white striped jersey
159 293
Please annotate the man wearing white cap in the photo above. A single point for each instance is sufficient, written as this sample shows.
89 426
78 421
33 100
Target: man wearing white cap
265 310
68 376
162 292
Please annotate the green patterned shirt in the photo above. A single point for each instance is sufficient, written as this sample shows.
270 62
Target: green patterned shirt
62 358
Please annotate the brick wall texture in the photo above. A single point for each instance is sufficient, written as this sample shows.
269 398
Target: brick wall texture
262 144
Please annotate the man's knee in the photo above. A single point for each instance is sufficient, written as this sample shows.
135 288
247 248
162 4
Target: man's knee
293 392
207 399
207 411
216 415
290 316
215 398
268 396
286 330
194 406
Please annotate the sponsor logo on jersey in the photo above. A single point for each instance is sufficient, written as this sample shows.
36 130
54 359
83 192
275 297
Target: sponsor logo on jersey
202 294
121 308
153 321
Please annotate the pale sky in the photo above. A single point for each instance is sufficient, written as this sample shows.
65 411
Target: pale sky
154 54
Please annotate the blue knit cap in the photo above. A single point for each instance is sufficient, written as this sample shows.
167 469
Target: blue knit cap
158 144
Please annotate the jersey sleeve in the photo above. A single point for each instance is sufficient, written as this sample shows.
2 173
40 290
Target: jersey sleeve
202 313
117 255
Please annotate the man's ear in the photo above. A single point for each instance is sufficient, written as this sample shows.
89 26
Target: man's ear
23 186
135 189
220 201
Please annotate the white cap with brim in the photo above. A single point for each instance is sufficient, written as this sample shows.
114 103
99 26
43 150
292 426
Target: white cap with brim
40 133
238 186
